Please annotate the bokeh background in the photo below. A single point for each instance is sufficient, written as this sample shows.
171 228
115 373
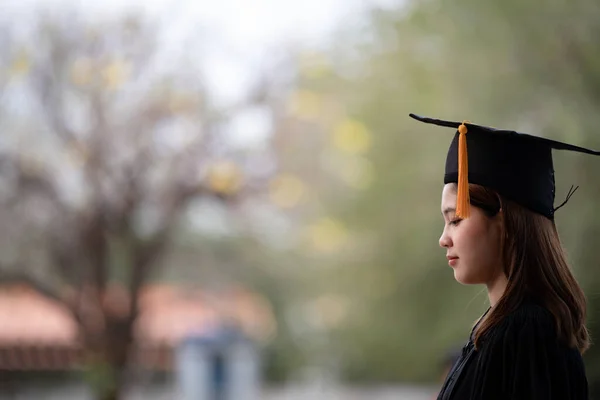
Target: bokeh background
227 200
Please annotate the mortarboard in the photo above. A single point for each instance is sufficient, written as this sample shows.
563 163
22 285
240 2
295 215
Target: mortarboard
517 165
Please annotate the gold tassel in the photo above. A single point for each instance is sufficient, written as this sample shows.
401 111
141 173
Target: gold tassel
463 209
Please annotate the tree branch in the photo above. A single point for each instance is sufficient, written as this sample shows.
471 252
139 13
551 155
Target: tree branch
36 181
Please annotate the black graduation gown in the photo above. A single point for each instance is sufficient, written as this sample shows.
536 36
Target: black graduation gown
520 358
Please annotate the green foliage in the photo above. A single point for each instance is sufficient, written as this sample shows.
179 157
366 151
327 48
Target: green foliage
510 64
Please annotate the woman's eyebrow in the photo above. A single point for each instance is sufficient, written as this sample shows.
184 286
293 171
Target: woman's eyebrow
448 210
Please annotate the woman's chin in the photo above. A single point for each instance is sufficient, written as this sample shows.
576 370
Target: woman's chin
465 279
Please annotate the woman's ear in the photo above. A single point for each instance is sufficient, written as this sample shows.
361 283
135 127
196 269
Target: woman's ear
499 221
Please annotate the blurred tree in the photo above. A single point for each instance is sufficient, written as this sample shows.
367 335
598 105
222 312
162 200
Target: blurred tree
106 140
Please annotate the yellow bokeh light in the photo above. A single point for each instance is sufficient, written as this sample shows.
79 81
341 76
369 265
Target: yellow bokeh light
224 177
82 71
305 104
20 65
327 235
115 74
314 66
287 191
358 173
352 137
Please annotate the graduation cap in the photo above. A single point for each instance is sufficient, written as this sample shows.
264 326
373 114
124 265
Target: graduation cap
517 165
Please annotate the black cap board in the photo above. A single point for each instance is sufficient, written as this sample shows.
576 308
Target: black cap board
517 165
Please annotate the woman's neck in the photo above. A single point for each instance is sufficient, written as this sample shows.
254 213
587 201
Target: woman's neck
496 289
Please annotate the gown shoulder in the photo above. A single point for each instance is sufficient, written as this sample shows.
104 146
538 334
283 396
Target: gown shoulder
523 358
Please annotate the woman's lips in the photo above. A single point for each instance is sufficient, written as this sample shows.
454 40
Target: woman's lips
452 260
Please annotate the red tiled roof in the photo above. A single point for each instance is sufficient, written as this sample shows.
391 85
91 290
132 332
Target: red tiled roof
168 314
27 317
41 333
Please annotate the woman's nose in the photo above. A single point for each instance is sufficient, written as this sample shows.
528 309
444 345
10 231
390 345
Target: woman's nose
445 241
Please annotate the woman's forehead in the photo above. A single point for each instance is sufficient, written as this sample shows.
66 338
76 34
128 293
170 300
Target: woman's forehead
449 188
448 198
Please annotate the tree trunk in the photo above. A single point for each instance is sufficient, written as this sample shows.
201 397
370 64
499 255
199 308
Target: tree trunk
112 394
109 358
104 380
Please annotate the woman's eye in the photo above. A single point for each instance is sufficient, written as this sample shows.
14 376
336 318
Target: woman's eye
455 221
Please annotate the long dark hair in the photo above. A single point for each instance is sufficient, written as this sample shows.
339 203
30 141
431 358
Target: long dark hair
535 265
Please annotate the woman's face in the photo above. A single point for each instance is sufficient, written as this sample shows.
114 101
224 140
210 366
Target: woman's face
473 244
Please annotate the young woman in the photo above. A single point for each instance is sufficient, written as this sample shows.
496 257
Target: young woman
499 231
